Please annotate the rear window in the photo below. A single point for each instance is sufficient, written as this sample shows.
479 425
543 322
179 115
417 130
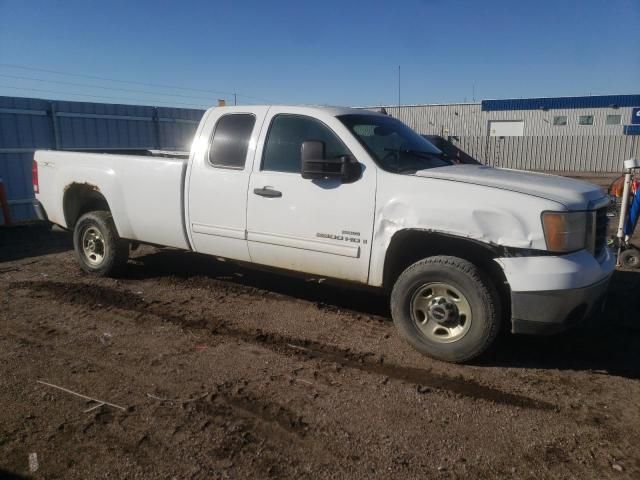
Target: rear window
230 140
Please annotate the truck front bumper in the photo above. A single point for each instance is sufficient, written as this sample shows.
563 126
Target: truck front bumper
549 312
552 293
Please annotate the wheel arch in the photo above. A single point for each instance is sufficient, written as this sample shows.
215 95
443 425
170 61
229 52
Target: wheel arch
408 246
80 198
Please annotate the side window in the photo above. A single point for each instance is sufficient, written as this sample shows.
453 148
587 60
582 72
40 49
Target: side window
560 120
285 138
614 119
585 120
230 140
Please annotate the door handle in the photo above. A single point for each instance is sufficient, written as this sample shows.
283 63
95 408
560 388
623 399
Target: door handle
267 192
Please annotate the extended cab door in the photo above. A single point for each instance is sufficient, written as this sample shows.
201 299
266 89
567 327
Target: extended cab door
322 227
218 180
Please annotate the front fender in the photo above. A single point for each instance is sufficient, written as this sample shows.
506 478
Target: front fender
497 218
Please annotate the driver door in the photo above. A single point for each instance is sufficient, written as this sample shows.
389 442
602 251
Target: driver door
321 226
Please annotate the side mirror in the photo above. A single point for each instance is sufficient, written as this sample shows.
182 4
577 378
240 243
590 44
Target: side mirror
316 166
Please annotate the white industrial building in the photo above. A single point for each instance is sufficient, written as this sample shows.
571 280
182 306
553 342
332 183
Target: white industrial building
592 133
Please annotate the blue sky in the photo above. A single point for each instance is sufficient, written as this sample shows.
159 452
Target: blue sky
318 52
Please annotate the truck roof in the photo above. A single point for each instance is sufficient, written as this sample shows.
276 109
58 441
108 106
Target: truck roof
309 109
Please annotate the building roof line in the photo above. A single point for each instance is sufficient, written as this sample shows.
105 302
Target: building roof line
534 103
420 105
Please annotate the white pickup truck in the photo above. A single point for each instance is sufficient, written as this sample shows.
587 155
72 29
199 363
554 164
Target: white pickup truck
350 195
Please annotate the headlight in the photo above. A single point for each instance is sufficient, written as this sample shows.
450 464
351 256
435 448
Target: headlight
565 231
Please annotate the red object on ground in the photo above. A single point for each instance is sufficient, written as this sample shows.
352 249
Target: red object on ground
618 186
4 204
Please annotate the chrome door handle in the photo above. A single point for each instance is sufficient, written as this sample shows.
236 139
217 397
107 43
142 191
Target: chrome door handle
267 192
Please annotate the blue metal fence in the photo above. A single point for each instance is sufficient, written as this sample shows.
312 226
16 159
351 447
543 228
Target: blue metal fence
27 124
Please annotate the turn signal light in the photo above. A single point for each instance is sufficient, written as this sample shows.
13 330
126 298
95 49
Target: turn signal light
565 231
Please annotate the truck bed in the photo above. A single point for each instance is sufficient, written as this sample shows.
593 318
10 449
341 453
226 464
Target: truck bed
144 190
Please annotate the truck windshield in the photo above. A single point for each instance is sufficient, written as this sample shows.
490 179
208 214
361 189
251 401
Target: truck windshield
392 144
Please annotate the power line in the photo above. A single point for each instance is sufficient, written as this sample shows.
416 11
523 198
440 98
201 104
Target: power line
128 99
132 82
58 72
18 77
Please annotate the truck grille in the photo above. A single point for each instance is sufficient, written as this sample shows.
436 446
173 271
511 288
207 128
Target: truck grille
602 222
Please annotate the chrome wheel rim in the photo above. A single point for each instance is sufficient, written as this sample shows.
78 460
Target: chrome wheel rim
441 312
93 246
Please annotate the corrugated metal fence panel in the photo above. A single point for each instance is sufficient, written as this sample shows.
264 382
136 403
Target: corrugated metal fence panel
24 123
24 126
95 125
15 172
27 124
177 126
564 154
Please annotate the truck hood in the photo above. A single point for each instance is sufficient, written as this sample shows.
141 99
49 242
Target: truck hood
573 194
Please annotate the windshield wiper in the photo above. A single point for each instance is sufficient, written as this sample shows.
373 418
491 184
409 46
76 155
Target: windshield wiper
417 153
421 154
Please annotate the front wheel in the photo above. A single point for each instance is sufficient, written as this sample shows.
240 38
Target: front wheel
98 248
446 308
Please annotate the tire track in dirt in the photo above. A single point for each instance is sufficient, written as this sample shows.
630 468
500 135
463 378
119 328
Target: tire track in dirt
233 423
232 396
249 423
93 295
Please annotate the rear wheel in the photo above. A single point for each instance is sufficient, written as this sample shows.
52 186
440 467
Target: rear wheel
98 248
446 308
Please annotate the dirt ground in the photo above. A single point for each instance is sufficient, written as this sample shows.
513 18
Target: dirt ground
224 372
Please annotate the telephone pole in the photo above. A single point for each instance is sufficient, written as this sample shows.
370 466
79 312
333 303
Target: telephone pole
398 90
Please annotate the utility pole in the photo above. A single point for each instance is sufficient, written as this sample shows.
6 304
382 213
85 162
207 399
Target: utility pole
398 90
235 100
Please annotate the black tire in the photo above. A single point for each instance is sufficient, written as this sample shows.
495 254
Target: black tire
479 294
630 258
115 251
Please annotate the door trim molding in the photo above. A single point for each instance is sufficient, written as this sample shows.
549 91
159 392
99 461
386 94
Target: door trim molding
343 250
219 231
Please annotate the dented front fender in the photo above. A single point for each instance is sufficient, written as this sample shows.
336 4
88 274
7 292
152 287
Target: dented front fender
489 215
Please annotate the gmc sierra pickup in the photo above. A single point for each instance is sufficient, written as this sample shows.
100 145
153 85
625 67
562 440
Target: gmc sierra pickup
350 195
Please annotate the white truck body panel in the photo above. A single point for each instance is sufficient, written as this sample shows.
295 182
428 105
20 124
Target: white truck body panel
144 193
216 198
492 216
557 272
572 194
